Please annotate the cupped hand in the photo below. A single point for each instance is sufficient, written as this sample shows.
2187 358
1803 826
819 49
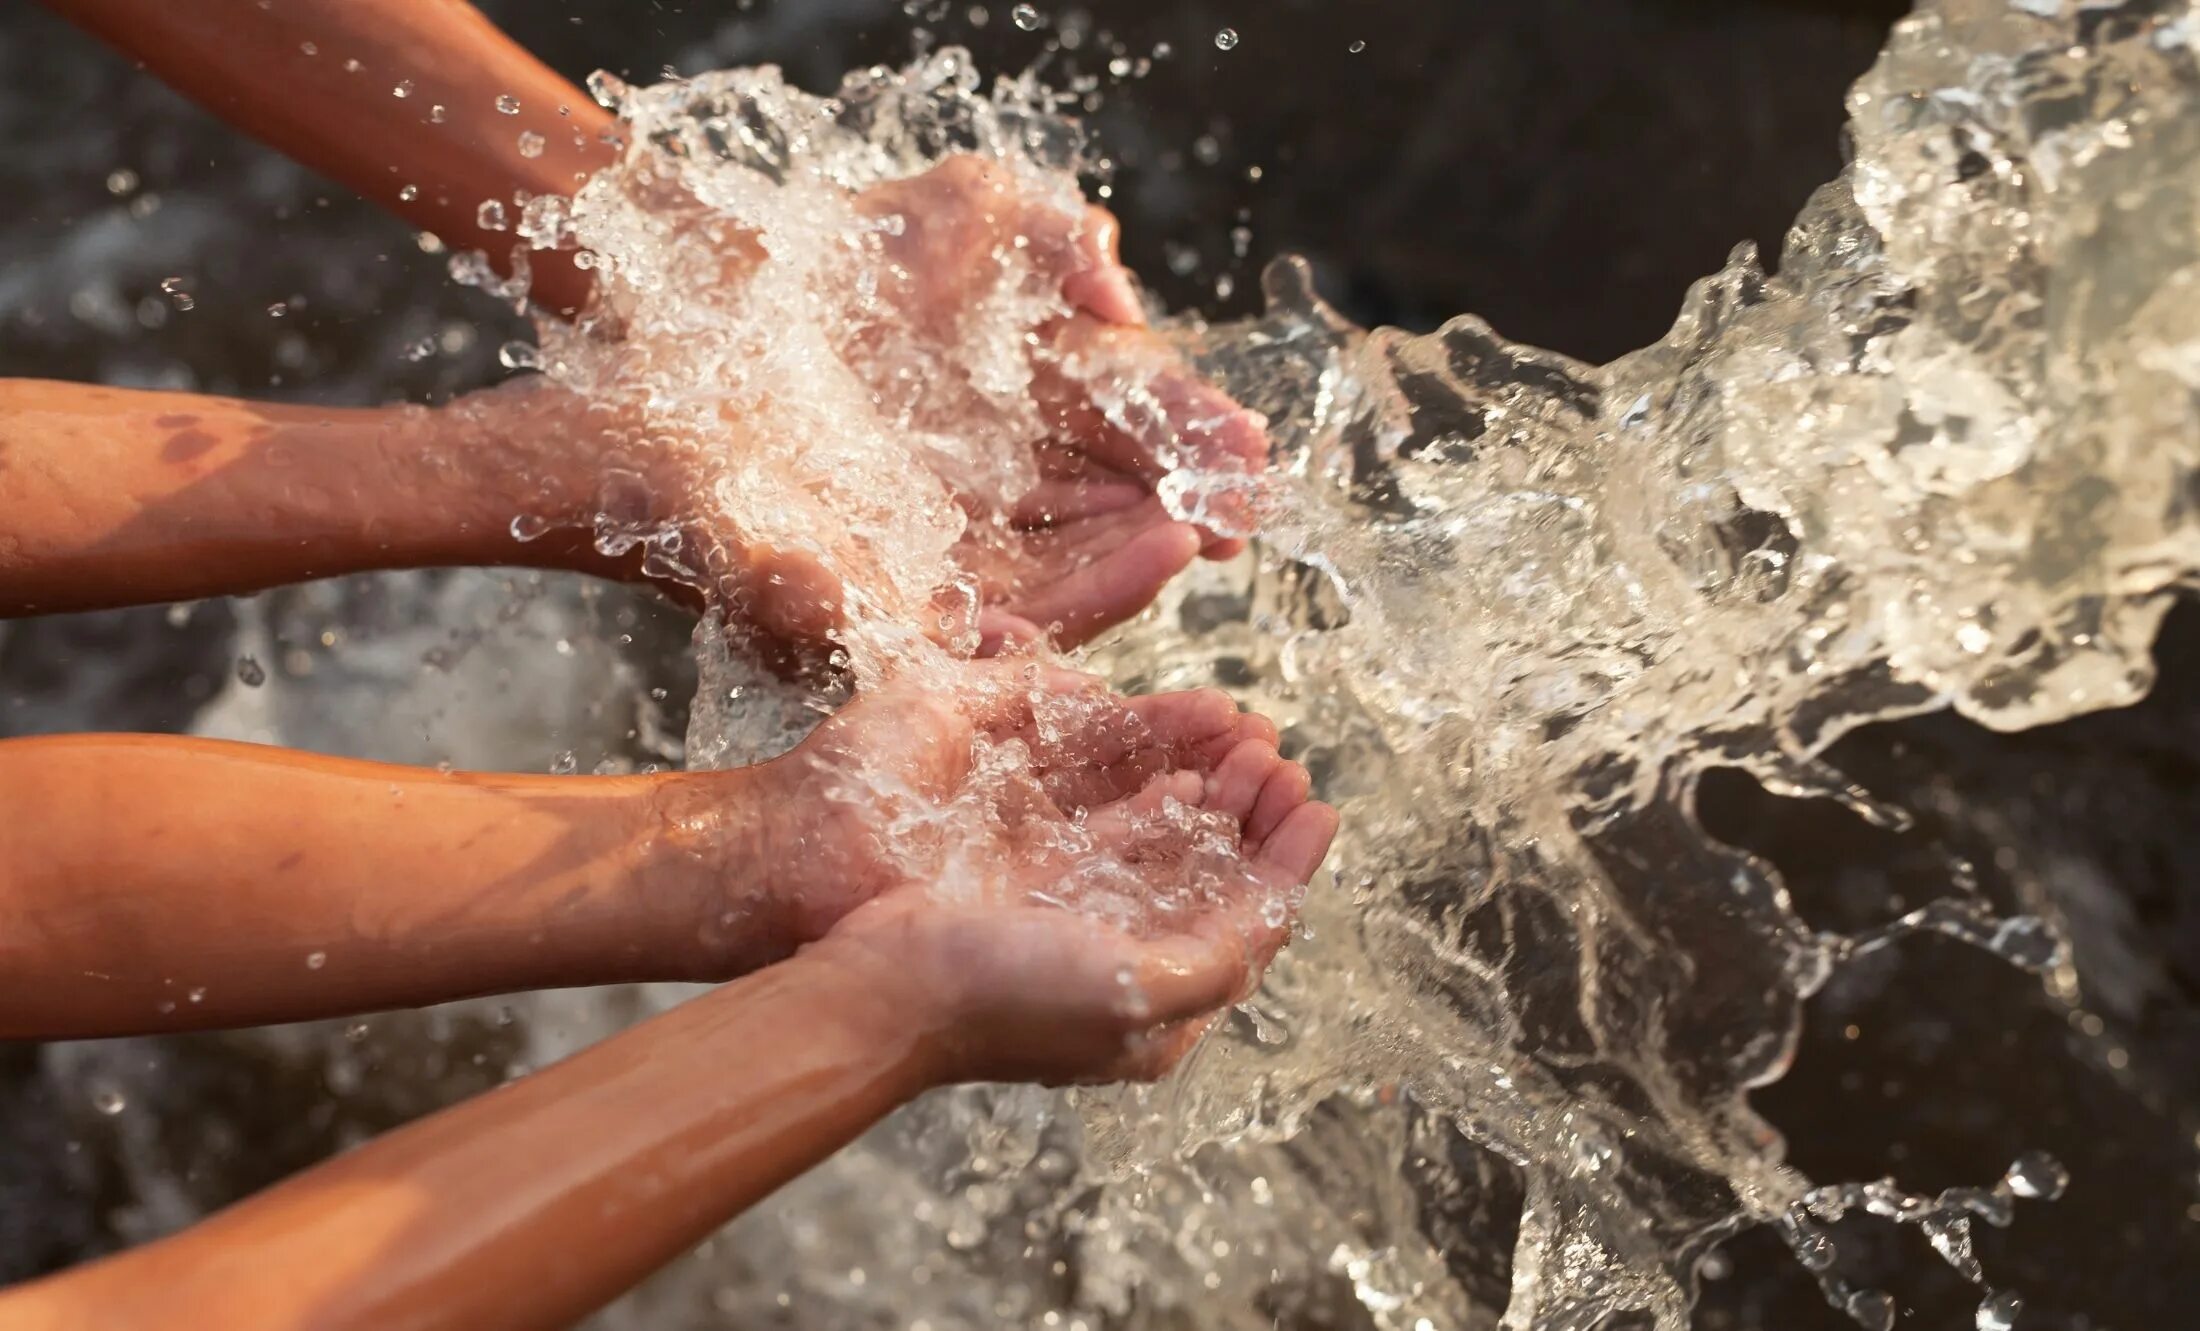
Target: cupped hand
1092 543
883 794
1112 411
1011 984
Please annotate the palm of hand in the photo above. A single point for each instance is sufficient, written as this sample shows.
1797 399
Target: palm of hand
1016 986
1090 544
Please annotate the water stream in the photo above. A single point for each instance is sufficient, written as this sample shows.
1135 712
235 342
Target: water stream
1512 608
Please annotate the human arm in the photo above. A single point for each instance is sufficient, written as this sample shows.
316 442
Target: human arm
319 79
112 496
624 1155
621 1157
152 883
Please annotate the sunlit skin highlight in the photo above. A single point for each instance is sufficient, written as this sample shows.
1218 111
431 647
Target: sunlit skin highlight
152 883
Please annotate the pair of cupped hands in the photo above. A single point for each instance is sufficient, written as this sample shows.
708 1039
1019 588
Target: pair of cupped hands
1027 989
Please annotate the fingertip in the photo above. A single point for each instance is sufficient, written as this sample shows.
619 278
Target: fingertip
1285 790
1235 784
1301 841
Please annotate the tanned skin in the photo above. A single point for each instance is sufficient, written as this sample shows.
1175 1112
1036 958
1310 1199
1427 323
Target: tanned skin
158 883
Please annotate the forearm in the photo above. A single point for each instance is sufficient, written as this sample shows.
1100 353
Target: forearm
321 80
115 497
538 1202
156 883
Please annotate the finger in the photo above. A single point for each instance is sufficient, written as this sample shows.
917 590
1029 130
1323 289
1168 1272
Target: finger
1256 726
1200 726
792 595
1187 975
1154 1054
1296 848
1003 634
1235 785
1114 588
1061 499
1100 284
1285 790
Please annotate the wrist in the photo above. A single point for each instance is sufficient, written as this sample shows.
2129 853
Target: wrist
519 453
705 860
893 1008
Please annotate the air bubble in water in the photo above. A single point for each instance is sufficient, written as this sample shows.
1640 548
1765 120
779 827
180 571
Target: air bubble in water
1025 17
107 1100
490 215
1226 40
250 672
1998 1312
508 104
2037 1174
530 144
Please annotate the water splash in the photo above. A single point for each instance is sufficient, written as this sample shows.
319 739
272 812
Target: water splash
1512 608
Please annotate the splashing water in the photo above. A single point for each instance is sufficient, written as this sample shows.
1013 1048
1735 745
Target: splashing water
1511 607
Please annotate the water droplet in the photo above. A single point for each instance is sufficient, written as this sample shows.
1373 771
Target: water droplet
107 1100
507 103
1871 1309
1998 1312
1025 17
531 144
197 995
1226 40
316 960
404 88
490 215
309 48
1814 1250
250 672
277 310
177 290
565 764
1357 47
519 356
420 350
437 115
2037 1174
356 1032
352 66
121 180
409 193
528 527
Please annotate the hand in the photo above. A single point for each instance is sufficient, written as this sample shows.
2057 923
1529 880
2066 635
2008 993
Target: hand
1011 989
883 794
1083 543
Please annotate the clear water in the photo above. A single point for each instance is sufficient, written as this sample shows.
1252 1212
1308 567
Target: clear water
1513 607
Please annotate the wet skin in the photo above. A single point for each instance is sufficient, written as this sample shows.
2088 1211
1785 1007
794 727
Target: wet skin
158 883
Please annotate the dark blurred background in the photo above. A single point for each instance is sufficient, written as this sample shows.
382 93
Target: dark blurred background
1564 168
